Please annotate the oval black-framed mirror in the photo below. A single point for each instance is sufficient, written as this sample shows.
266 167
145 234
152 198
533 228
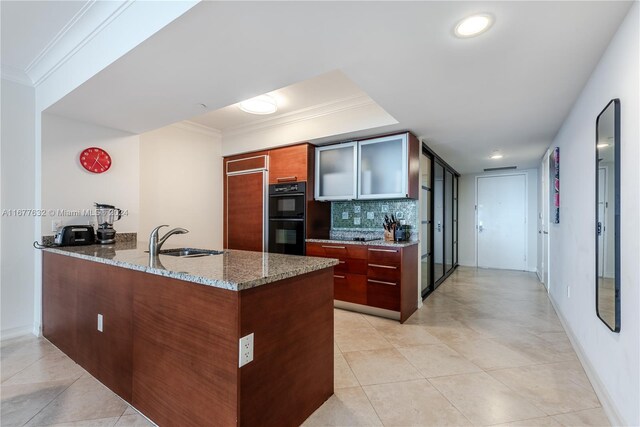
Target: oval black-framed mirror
607 227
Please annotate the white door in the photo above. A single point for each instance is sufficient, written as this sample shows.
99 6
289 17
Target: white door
501 222
602 213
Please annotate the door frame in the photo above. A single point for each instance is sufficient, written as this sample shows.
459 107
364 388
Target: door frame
526 212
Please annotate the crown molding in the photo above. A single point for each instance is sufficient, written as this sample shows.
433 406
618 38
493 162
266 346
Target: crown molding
303 114
197 128
86 24
15 75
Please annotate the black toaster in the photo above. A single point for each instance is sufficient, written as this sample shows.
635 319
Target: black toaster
75 235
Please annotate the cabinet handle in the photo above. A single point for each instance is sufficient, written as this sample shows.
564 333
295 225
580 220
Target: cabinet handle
383 250
334 247
338 277
341 262
380 281
383 266
287 178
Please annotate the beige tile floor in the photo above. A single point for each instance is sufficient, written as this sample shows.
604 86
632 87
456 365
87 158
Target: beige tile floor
485 349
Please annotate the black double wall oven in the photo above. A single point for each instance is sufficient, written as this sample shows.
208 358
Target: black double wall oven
287 222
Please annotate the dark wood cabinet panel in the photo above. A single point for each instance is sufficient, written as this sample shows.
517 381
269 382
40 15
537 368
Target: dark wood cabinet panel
409 294
294 342
247 163
350 287
107 355
185 353
378 276
59 278
337 250
385 255
245 211
383 295
288 164
386 273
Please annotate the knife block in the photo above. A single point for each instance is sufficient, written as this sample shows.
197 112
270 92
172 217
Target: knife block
388 236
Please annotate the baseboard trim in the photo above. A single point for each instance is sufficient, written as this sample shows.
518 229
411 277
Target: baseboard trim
8 334
605 399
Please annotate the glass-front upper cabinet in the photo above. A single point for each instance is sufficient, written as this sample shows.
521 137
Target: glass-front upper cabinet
383 168
335 173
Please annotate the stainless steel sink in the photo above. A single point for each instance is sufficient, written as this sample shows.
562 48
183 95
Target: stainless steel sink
189 252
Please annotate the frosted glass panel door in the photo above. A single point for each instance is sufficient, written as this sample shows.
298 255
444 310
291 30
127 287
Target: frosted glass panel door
383 168
336 172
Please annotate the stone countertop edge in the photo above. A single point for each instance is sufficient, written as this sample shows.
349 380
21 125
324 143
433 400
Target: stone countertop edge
317 264
370 243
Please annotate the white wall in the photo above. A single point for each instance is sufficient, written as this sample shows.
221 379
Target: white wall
18 192
467 217
181 184
613 360
67 185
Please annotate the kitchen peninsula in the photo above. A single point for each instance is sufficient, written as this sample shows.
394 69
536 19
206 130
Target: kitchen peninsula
164 333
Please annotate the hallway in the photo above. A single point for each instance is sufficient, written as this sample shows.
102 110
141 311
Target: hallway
486 348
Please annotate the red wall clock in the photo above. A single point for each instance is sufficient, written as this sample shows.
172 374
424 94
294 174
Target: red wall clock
95 160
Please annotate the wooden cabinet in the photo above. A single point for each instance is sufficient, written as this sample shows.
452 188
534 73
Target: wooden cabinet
74 294
290 164
245 204
246 181
383 167
383 277
104 290
170 347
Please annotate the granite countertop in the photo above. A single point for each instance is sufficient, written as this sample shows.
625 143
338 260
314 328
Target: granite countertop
369 243
234 270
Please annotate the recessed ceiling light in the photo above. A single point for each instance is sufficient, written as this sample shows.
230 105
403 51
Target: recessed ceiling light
496 156
263 104
473 25
602 145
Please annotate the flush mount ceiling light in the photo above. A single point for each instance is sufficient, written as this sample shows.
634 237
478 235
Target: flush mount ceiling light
473 25
496 156
263 104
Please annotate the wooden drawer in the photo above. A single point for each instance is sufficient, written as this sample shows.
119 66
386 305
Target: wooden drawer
383 294
385 255
350 288
353 266
386 273
337 250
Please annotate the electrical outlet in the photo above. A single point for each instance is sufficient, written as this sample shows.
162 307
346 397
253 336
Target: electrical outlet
56 224
246 350
100 323
568 291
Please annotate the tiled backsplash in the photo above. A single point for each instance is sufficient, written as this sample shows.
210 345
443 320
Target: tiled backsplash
368 215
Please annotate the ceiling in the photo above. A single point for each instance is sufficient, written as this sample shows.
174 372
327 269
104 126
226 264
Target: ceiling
508 90
35 24
329 88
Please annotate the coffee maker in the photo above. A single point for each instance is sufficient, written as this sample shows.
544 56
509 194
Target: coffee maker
106 215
